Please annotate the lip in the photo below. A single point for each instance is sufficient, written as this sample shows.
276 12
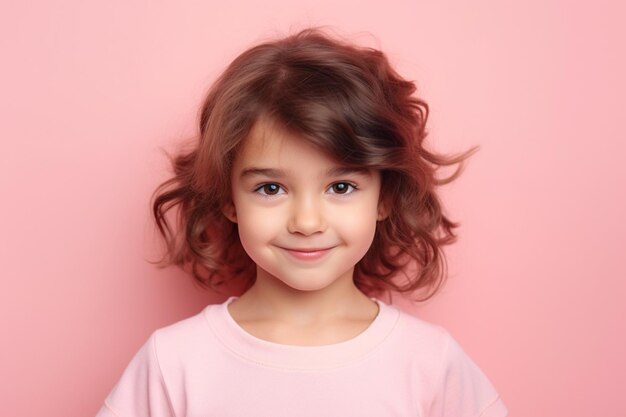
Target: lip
308 254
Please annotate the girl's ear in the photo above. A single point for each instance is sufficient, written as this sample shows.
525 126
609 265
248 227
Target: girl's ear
229 212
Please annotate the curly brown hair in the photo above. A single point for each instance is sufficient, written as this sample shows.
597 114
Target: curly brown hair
348 101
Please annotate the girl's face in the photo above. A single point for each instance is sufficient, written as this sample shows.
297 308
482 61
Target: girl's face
304 219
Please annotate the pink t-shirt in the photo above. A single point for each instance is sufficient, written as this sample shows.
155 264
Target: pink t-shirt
207 365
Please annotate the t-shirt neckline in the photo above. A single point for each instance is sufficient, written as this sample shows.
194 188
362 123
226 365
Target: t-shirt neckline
264 352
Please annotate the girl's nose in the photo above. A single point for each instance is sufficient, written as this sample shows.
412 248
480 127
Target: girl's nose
306 217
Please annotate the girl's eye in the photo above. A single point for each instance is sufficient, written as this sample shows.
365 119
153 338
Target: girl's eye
269 189
342 188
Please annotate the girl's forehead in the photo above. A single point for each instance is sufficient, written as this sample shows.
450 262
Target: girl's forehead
265 135
270 141
271 146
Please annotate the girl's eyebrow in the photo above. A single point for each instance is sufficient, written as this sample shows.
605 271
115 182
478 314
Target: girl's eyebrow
264 172
340 171
337 171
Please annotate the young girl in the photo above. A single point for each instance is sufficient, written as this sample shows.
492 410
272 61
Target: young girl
311 187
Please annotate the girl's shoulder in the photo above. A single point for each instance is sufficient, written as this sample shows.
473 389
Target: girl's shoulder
415 330
442 365
419 325
186 337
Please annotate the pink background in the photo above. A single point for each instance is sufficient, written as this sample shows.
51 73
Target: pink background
89 92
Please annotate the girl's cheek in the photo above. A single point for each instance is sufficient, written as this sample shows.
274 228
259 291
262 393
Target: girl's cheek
355 214
259 221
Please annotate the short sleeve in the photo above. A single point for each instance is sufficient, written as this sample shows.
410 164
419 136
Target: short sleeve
141 391
463 390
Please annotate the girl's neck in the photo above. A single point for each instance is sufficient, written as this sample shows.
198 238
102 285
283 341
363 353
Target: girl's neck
270 299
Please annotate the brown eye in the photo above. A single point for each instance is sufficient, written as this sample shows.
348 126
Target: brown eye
269 189
342 188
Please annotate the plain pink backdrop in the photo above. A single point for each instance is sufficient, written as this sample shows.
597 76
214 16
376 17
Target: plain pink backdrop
89 92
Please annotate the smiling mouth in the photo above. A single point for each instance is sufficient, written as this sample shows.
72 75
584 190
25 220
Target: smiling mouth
307 254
